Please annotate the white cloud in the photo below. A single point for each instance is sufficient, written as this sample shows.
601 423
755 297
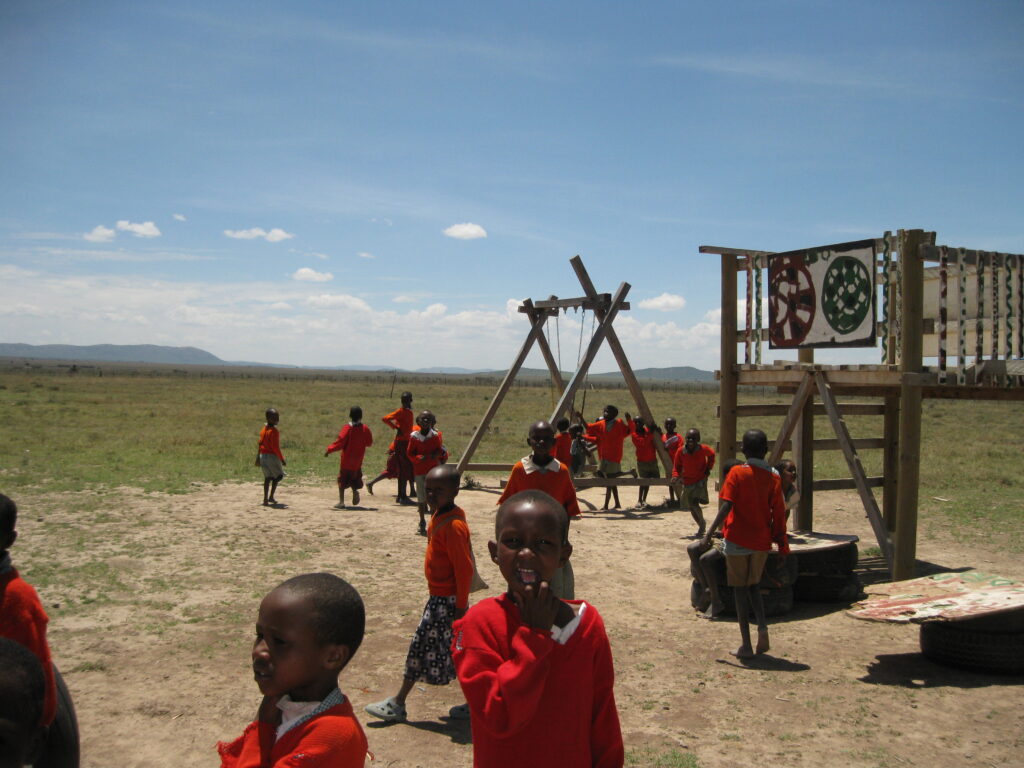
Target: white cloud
404 300
365 255
179 217
273 236
465 231
321 256
337 301
307 275
667 302
279 305
100 234
146 229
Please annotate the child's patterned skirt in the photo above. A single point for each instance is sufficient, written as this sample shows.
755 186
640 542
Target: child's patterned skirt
430 653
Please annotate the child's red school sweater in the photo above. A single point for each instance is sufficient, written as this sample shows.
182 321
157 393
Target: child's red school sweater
352 441
533 701
422 448
332 739
23 620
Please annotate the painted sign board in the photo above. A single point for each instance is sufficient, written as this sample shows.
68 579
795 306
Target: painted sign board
941 596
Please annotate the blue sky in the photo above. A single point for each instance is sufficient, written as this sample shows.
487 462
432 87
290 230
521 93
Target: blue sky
346 183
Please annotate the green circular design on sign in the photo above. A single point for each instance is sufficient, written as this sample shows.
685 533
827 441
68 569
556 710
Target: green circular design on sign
847 295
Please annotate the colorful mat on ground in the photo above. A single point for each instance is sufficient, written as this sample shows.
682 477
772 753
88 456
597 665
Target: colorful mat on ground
941 596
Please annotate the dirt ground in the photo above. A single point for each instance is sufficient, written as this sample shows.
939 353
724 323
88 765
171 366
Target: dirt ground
154 600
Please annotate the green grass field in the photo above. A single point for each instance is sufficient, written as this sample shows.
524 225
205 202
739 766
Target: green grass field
163 431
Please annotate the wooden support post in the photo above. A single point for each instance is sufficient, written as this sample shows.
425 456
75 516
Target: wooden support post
856 468
890 460
604 326
911 338
536 331
620 357
803 455
549 359
796 410
727 377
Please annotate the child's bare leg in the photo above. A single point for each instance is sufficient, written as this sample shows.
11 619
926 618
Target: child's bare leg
746 650
607 497
403 692
377 479
762 625
355 496
423 518
615 493
705 565
266 491
273 489
698 517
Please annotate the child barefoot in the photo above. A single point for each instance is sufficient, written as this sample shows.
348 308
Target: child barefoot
537 671
308 629
353 440
609 433
690 471
269 457
449 569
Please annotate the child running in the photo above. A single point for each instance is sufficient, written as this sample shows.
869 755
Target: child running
269 457
353 440
752 516
390 469
646 456
536 670
449 569
673 442
425 451
308 629
22 617
541 471
690 471
402 421
609 433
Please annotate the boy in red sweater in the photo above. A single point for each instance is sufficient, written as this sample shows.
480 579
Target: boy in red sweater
541 471
609 433
673 442
563 442
537 671
646 455
754 516
425 451
353 440
269 457
402 421
308 629
22 617
690 471
449 569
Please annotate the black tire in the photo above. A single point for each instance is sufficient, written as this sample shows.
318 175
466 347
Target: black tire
841 559
60 745
778 575
827 588
776 601
946 642
699 597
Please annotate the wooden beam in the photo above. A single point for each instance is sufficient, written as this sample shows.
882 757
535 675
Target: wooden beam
822 444
856 469
803 453
728 378
602 301
549 360
796 410
781 409
609 482
847 483
731 252
536 330
484 467
890 459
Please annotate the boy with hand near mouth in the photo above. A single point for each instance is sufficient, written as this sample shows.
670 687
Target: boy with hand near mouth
536 670
308 629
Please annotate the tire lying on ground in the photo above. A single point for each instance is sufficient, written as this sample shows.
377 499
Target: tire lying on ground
60 745
827 588
839 559
958 644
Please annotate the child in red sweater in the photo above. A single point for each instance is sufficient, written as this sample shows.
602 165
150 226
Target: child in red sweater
752 516
401 420
673 442
425 451
541 471
690 471
449 569
646 455
269 457
353 440
22 617
308 629
609 433
537 671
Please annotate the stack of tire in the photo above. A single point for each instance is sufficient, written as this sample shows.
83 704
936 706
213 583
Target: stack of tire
993 643
776 586
826 575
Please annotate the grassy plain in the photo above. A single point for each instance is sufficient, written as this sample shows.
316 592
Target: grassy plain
163 429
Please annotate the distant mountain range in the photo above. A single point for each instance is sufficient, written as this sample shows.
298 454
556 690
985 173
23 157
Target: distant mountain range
152 353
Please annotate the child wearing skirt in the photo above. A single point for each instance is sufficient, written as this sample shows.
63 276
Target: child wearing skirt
449 569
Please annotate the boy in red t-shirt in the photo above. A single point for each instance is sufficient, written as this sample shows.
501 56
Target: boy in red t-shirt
269 457
425 451
752 516
690 471
673 442
646 456
537 671
609 433
449 568
563 442
308 629
353 440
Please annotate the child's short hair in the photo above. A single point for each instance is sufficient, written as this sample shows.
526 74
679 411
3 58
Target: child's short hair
576 428
562 424
270 412
8 515
340 616
22 684
534 496
355 413
755 443
612 410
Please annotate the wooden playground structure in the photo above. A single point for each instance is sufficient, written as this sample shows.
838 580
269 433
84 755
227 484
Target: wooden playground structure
965 310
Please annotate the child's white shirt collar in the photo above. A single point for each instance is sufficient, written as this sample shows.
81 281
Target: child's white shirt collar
561 635
295 712
530 466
